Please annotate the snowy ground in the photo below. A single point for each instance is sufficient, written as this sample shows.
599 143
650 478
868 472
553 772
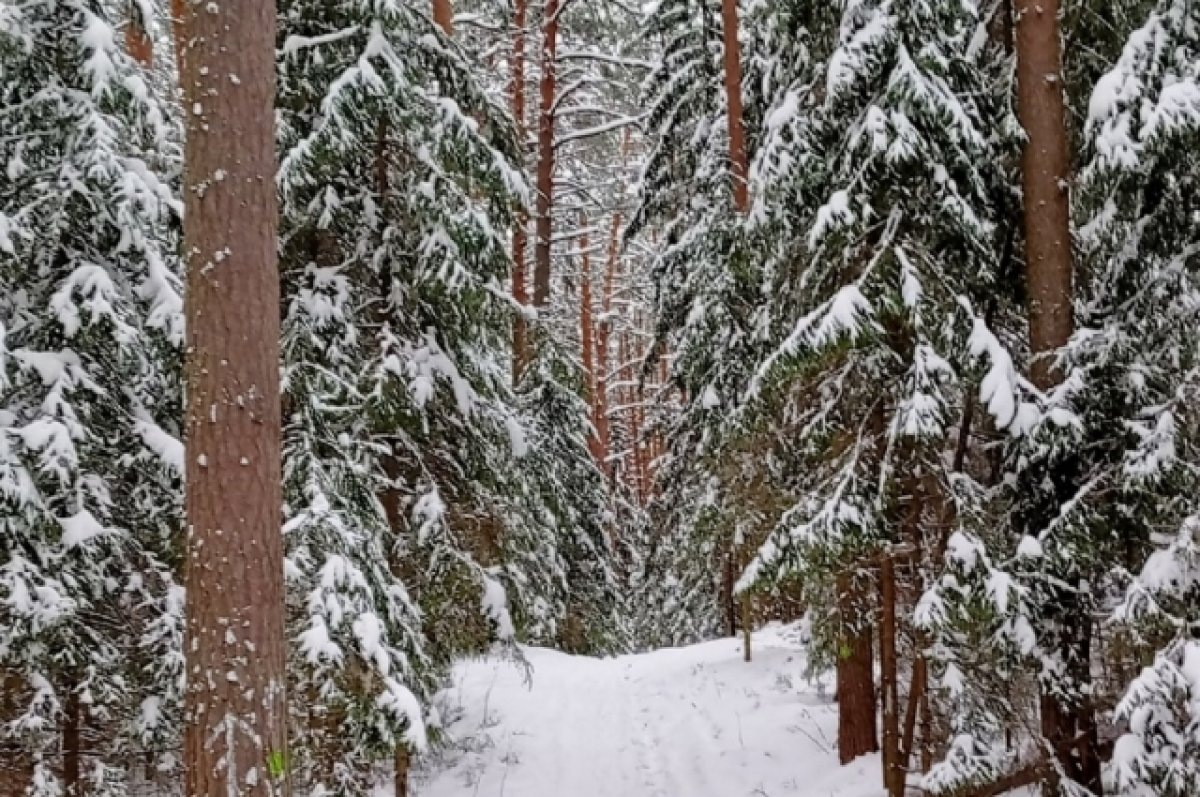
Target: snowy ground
686 722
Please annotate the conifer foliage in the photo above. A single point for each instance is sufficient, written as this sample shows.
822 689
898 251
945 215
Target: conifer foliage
90 386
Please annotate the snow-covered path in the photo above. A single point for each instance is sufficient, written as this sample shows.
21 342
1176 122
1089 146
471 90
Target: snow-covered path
686 722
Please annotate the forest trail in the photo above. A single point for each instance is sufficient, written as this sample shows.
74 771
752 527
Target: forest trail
682 722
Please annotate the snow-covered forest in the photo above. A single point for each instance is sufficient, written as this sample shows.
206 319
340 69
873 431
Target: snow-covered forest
692 398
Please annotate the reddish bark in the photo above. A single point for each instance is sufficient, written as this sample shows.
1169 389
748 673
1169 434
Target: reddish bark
587 341
179 34
235 708
137 40
738 161
520 290
443 16
544 221
72 746
893 768
1070 729
1045 171
603 335
855 676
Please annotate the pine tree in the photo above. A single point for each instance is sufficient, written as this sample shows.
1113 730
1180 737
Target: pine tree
90 459
235 726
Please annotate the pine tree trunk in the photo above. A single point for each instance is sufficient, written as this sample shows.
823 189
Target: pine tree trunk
1070 729
544 223
72 746
738 160
137 40
443 16
520 235
16 766
587 342
855 676
403 764
1045 169
603 336
893 768
179 35
235 739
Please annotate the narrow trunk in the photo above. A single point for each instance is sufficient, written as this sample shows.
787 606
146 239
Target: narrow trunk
893 768
137 39
403 764
738 161
235 740
587 340
747 605
443 16
179 35
72 748
727 583
520 235
603 335
1045 167
1045 172
16 765
545 167
855 676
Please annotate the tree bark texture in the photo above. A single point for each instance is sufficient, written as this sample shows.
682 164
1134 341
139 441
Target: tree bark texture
72 745
1045 168
548 92
738 160
520 235
1070 729
603 336
137 39
855 676
16 765
443 16
235 739
893 768
587 341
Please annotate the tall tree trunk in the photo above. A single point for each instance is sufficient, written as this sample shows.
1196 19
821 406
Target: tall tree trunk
520 235
587 341
235 739
390 497
1045 172
443 15
894 769
137 38
738 160
1069 728
16 765
72 745
179 35
545 166
855 675
603 337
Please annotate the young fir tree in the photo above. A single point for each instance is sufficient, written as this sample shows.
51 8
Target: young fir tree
90 459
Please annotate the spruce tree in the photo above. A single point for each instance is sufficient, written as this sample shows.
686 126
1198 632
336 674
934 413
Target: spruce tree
90 458
1136 365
